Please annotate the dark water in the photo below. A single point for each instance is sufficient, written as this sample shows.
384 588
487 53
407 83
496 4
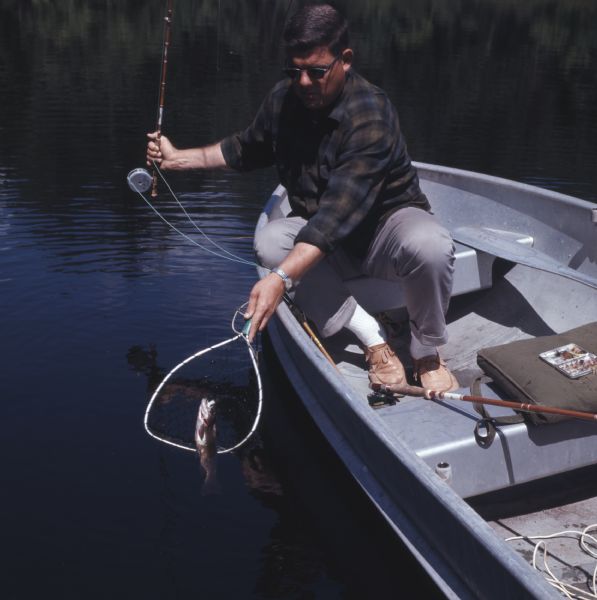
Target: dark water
91 279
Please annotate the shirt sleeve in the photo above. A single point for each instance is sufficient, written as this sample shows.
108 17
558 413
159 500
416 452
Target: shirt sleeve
252 148
358 175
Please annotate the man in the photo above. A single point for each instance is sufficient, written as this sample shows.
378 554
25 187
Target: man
356 203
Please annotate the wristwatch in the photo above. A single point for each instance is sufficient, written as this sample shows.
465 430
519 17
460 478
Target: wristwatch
287 281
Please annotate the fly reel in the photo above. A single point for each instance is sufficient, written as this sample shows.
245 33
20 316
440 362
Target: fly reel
139 180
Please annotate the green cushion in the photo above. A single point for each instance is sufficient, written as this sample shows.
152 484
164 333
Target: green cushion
523 376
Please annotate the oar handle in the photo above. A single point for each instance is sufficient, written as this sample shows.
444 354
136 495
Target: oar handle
433 395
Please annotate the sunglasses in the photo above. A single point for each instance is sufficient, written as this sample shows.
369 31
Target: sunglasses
312 72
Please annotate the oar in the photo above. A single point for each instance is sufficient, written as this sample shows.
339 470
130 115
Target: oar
433 395
493 243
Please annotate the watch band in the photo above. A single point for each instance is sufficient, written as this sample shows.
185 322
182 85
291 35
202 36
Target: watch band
287 281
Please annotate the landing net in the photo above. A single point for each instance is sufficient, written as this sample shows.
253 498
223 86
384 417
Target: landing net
227 373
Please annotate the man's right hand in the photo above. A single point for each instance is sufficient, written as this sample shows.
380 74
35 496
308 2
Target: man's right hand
170 158
161 151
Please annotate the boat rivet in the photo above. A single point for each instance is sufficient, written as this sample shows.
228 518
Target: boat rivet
444 470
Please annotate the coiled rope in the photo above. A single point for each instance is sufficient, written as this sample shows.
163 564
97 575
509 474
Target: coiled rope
585 542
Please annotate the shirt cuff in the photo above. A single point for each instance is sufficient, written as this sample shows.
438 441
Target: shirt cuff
310 235
230 148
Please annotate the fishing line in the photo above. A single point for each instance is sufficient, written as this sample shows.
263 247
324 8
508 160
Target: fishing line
237 258
138 182
240 334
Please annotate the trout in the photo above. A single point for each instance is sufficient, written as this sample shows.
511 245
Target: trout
205 440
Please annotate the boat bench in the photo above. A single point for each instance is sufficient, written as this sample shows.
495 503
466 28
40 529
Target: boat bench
473 271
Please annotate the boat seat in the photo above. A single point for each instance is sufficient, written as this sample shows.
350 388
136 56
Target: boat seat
473 271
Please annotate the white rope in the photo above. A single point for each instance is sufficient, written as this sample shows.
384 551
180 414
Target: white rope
569 590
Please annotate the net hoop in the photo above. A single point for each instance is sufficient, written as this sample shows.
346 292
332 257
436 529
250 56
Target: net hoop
239 334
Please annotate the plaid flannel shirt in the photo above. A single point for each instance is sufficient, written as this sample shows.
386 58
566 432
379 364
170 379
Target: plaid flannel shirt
345 170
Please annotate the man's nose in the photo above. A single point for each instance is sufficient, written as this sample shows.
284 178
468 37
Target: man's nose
304 79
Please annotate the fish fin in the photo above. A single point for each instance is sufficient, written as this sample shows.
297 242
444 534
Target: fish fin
211 487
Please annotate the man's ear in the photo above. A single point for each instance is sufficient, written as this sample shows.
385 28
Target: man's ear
347 56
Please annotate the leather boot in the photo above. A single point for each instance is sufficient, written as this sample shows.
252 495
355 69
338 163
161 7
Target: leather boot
433 374
385 369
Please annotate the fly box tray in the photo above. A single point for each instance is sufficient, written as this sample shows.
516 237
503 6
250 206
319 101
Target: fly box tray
571 359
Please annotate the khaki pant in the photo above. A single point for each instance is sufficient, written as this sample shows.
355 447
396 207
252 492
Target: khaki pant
412 247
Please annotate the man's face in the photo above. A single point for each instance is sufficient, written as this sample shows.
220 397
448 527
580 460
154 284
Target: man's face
315 93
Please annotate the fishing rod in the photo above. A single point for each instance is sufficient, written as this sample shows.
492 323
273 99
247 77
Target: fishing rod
140 181
299 315
162 92
520 406
419 392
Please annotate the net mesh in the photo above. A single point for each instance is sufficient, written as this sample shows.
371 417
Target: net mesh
225 375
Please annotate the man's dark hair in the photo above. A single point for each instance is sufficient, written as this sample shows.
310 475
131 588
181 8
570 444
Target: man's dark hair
314 26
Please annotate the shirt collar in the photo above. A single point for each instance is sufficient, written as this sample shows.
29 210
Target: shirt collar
339 105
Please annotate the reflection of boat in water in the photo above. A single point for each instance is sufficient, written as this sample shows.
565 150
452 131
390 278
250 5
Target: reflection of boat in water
336 525
526 269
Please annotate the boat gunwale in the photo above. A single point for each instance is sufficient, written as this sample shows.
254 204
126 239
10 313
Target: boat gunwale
503 183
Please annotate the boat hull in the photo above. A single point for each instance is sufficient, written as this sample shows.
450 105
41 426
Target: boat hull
457 547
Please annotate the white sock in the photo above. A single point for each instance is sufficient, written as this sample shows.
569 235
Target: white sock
419 350
366 328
